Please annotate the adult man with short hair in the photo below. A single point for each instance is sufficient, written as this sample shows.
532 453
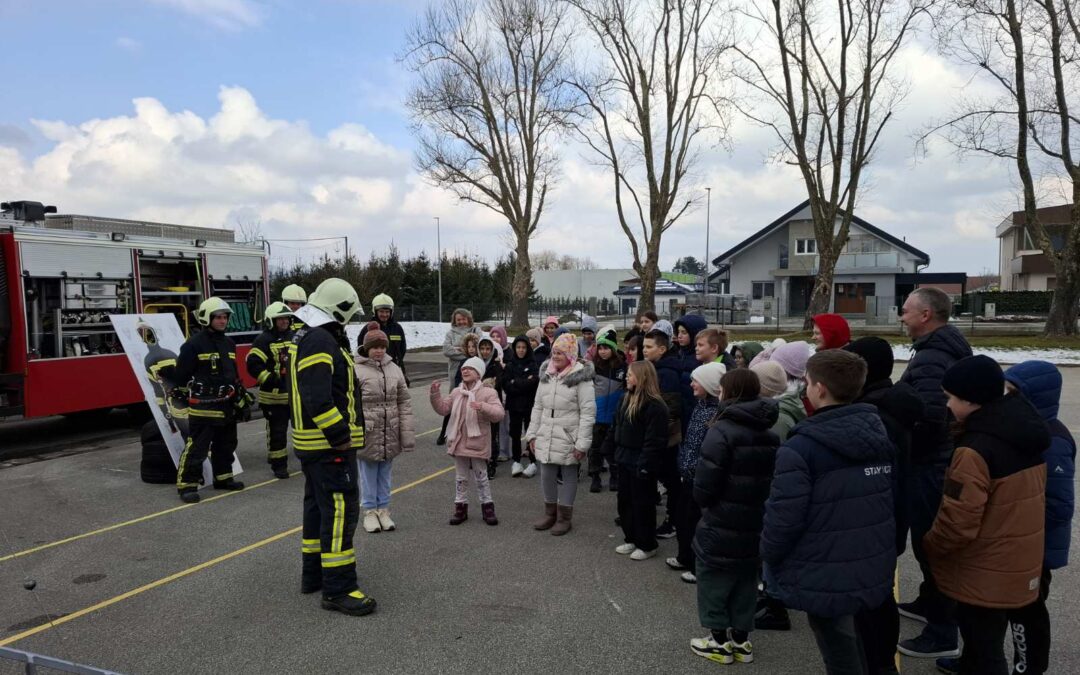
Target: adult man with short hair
937 345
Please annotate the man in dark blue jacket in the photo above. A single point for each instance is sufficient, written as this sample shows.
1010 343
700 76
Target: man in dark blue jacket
937 345
829 539
1040 383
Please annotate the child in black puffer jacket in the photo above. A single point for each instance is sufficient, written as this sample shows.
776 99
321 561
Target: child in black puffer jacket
731 485
519 379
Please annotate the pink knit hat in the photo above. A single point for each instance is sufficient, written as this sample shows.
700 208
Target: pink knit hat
551 320
566 344
793 357
498 333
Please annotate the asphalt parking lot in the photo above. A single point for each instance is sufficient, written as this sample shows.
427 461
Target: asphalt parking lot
130 579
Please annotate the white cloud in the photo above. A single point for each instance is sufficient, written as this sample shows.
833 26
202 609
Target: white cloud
128 44
223 14
241 164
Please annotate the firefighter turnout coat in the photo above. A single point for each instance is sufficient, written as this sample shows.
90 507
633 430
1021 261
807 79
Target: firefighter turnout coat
268 363
326 406
207 367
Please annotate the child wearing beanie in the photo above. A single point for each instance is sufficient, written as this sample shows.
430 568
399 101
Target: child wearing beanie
900 408
471 408
388 421
560 431
831 331
705 382
986 544
610 385
493 368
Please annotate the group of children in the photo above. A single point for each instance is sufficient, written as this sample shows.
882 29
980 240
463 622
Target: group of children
783 465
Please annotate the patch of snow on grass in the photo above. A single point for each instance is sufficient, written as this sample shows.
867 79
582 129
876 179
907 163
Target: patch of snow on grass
417 333
1061 357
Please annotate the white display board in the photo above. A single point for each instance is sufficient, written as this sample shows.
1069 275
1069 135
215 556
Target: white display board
170 338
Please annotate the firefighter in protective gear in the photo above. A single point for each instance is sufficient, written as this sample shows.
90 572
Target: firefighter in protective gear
383 308
327 430
268 363
160 364
294 298
207 365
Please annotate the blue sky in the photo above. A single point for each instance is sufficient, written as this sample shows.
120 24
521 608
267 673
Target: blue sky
320 62
289 113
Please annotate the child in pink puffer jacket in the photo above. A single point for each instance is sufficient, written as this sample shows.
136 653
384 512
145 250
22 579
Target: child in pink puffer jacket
473 408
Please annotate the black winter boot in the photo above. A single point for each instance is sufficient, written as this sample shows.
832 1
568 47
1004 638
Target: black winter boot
597 485
189 496
229 484
461 513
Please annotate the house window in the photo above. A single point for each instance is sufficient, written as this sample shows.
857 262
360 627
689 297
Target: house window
762 289
806 246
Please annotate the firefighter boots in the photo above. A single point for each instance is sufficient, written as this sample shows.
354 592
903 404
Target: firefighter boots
228 484
353 604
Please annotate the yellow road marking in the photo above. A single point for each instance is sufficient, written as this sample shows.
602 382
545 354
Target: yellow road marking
184 573
151 516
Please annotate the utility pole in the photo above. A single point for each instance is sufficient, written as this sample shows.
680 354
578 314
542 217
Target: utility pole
438 243
708 214
347 261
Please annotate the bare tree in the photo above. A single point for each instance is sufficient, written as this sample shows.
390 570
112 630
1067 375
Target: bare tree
649 108
1029 49
490 98
825 71
250 231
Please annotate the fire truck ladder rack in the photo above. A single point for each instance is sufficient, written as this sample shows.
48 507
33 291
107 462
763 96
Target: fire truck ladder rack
34 661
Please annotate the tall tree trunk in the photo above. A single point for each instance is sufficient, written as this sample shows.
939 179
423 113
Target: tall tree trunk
522 284
822 293
649 273
1065 307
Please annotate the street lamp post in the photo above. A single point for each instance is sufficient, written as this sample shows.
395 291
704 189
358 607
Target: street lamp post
438 243
708 214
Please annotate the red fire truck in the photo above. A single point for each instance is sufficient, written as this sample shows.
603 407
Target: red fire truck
61 276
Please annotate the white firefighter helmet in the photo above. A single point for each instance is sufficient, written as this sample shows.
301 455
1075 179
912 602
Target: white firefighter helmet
209 308
293 293
276 310
337 298
382 301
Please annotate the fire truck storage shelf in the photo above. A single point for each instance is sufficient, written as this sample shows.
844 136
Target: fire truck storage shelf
62 276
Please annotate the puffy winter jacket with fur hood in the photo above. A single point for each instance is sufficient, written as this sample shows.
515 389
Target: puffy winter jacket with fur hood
563 415
388 417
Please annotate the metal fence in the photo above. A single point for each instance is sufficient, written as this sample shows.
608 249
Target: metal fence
38 664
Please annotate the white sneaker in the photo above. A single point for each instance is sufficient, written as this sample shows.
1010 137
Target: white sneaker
625 549
638 554
674 563
530 470
384 520
516 470
371 521
688 577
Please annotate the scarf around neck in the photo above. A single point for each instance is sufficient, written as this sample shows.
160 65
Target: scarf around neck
461 407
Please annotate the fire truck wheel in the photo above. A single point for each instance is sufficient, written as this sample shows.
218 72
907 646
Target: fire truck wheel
150 432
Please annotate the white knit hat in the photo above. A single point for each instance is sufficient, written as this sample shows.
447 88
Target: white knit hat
708 376
477 364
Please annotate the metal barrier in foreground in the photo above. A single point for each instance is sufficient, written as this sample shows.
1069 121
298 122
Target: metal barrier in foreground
34 661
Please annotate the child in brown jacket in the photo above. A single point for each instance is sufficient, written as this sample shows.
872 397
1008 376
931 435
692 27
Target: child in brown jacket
986 545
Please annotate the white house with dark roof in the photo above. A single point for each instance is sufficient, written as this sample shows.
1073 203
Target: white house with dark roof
776 267
669 294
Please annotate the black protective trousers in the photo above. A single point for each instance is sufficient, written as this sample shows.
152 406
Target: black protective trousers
214 439
277 435
331 511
